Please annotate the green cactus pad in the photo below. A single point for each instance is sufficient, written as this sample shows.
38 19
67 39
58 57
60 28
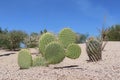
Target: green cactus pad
39 61
73 51
45 39
24 59
67 36
54 53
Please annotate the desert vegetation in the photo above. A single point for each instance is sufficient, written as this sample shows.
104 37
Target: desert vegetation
11 39
66 41
54 50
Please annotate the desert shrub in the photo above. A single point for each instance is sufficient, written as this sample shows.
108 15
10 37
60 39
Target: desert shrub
102 37
11 40
4 41
45 39
103 34
4 38
66 37
24 59
15 38
39 61
73 51
81 38
114 33
31 41
54 53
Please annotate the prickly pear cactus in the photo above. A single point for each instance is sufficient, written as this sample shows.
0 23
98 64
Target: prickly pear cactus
39 61
54 53
45 39
24 59
66 37
73 51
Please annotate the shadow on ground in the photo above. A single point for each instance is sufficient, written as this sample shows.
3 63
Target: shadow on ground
6 54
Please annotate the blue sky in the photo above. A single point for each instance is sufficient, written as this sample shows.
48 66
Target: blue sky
83 16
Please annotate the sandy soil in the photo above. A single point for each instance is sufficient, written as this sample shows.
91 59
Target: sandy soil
106 69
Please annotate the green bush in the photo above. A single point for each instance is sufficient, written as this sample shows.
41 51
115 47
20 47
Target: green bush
4 41
73 51
66 37
11 39
45 39
15 38
54 53
39 61
114 33
24 59
4 38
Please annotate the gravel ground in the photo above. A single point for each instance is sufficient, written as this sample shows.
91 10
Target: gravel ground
106 69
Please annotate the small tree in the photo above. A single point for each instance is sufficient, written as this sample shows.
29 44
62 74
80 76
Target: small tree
15 38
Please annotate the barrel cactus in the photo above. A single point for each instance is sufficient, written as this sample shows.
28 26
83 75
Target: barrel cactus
24 59
73 51
66 37
94 51
54 53
45 39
